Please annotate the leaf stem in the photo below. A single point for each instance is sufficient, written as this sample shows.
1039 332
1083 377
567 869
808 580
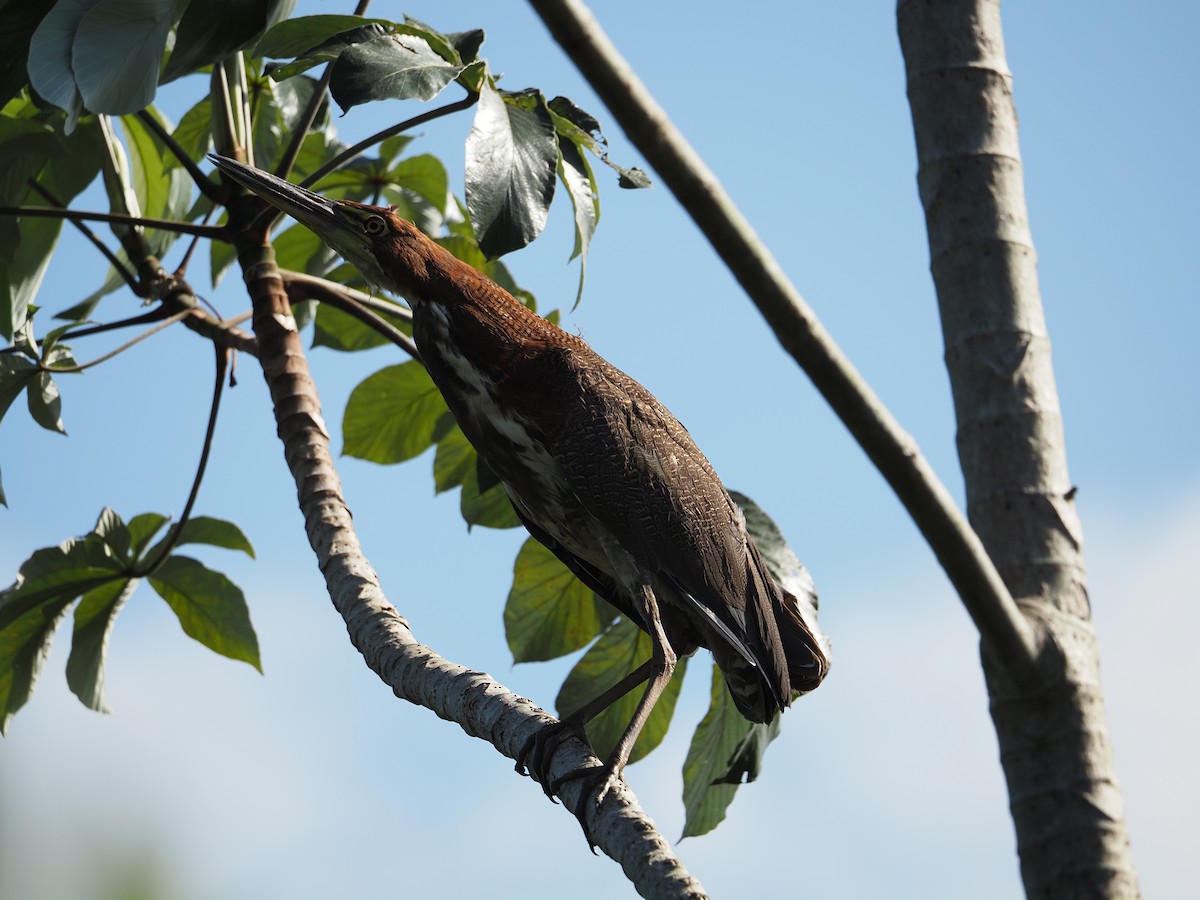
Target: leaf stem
206 185
170 320
172 540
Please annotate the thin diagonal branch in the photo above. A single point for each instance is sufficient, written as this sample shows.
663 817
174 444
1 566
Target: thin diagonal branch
215 232
1003 629
170 320
122 269
172 539
349 301
206 185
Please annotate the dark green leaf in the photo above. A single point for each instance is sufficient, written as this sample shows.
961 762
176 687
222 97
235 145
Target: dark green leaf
634 179
16 373
327 51
620 650
111 527
194 132
512 155
549 612
59 573
392 415
50 51
425 175
210 30
94 618
24 646
718 750
293 37
142 529
210 607
339 331
300 250
466 44
390 66
162 191
577 126
18 22
117 53
207 530
293 96
491 508
455 458
45 404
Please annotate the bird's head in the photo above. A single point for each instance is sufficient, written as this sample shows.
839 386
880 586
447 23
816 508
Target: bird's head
387 249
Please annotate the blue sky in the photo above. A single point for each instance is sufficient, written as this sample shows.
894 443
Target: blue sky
313 781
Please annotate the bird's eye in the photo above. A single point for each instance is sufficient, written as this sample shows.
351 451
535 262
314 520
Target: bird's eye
374 225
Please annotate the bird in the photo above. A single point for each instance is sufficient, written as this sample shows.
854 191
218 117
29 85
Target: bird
597 470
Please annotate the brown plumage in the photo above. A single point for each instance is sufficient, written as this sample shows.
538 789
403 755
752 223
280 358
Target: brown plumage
597 469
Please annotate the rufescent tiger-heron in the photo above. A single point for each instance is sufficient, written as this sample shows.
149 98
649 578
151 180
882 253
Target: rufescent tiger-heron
596 468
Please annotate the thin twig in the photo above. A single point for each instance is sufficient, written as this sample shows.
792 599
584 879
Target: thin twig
123 270
207 186
170 320
341 298
894 452
384 307
216 232
172 539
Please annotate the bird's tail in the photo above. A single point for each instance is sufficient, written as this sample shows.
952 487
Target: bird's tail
791 654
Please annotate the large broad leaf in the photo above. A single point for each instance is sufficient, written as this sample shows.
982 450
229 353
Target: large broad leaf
293 37
94 618
210 607
326 51
339 331
117 52
454 460
31 609
724 744
424 175
512 156
163 191
392 415
51 73
206 530
390 66
210 30
619 651
18 22
549 611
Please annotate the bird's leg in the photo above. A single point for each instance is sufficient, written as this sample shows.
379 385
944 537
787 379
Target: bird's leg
536 753
662 666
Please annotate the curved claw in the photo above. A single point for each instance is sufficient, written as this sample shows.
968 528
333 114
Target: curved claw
537 751
600 780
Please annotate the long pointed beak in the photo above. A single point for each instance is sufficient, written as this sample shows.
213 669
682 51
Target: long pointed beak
302 205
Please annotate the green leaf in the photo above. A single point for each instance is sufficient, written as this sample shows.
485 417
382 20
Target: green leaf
45 404
392 415
117 52
18 22
455 458
94 618
512 156
210 607
293 37
16 373
490 508
549 611
620 650
577 175
50 53
327 51
293 96
300 250
207 530
339 331
782 562
390 66
211 30
719 754
466 44
193 133
113 530
142 529
163 191
424 175
31 609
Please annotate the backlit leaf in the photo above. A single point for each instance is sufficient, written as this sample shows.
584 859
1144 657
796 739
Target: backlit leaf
392 415
210 607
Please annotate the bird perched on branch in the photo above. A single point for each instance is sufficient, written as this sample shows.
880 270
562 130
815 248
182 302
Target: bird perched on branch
596 468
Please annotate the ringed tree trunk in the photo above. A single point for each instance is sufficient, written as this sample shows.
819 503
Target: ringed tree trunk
1066 805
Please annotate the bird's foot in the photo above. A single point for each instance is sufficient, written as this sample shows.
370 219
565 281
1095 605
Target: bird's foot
535 755
598 781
